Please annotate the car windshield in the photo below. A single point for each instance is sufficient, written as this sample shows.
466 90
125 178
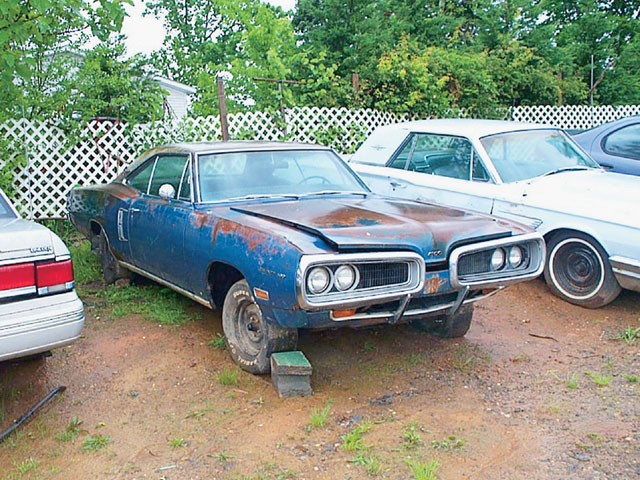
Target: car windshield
532 153
5 209
282 173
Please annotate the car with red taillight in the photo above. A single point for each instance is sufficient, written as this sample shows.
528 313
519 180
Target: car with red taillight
39 307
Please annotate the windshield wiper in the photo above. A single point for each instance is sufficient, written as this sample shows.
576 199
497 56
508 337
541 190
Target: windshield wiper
262 196
334 192
574 168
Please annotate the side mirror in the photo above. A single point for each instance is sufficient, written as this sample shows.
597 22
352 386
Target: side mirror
167 191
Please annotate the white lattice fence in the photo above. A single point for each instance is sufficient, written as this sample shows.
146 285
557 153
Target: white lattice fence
573 116
56 162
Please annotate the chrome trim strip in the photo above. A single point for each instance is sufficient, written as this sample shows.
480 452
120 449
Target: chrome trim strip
627 272
354 298
16 292
500 279
389 314
170 285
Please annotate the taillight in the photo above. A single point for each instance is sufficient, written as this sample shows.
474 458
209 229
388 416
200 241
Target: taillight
20 276
30 278
54 277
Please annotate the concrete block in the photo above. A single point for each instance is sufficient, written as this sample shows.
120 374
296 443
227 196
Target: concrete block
291 374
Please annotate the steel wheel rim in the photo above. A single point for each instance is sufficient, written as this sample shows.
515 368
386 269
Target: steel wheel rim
250 328
576 268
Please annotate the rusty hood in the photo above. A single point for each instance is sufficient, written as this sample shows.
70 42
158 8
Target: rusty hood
374 222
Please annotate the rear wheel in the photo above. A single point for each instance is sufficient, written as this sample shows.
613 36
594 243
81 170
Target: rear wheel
251 340
578 270
447 326
111 270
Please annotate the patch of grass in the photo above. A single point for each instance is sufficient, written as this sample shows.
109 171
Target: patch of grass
28 465
448 444
177 442
423 470
353 441
572 381
224 457
271 471
413 359
631 378
86 265
199 413
370 462
71 431
151 302
630 335
95 443
319 417
554 408
599 379
524 358
466 357
411 439
219 343
369 346
228 377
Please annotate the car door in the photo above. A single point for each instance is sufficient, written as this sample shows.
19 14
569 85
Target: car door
441 169
156 224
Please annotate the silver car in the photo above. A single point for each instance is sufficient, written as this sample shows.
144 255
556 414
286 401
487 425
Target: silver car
39 307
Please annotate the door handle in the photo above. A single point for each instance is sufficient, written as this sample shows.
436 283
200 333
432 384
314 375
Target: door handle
134 210
398 185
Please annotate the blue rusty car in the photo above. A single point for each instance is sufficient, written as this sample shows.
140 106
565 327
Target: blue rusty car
286 236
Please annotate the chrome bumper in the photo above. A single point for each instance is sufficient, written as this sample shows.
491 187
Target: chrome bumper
393 316
627 272
36 325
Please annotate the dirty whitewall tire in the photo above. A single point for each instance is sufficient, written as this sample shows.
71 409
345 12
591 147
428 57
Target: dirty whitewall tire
250 338
111 269
578 270
447 326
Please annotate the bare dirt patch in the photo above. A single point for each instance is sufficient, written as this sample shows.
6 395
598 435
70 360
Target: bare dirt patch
518 397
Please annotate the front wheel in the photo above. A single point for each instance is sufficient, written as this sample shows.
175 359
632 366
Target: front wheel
447 326
578 270
250 339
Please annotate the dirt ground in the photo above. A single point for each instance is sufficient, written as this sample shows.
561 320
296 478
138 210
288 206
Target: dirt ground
517 398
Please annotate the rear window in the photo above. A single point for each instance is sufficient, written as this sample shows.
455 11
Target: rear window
5 209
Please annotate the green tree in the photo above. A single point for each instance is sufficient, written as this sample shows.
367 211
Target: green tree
108 85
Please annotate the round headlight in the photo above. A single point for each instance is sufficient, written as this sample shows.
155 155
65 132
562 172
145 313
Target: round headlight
318 280
497 259
515 257
344 277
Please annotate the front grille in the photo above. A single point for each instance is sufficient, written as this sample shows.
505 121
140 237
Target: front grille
374 275
473 263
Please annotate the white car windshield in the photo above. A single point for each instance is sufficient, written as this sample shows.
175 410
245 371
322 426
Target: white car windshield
274 174
532 153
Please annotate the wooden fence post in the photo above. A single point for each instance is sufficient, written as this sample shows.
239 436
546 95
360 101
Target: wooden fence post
222 103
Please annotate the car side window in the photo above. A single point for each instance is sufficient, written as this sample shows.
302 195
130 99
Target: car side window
168 169
139 179
624 142
441 155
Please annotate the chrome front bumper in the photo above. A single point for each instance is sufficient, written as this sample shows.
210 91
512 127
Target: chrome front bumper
39 324
627 272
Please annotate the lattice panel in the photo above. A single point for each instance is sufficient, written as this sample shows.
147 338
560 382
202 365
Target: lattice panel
56 163
573 116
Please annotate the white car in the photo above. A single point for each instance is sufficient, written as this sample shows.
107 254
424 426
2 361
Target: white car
530 173
39 307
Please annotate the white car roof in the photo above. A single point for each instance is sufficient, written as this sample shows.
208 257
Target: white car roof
470 128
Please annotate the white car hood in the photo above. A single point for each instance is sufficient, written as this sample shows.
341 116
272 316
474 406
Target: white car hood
610 197
22 239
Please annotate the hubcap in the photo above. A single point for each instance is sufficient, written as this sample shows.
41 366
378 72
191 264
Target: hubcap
250 327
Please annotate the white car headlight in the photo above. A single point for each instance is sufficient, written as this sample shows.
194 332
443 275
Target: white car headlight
318 280
497 259
516 256
344 277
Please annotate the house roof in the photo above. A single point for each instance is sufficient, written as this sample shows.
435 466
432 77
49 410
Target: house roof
181 87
